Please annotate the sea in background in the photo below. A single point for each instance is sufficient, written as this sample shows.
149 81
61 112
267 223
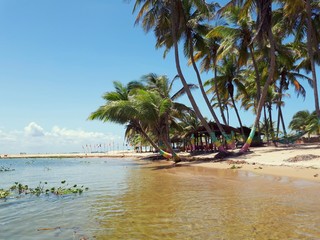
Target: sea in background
131 199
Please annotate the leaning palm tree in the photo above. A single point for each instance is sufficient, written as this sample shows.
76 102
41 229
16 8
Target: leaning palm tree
167 19
264 36
207 54
163 86
119 109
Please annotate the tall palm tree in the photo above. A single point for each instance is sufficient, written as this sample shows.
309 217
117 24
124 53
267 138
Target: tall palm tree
168 21
303 16
195 32
207 53
228 75
237 36
264 36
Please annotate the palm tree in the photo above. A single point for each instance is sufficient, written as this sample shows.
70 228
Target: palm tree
305 121
237 37
207 53
195 32
303 16
161 86
264 36
119 109
167 18
227 77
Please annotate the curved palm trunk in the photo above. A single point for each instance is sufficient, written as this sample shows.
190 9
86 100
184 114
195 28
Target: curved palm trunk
256 69
145 135
282 122
257 80
238 116
246 146
266 122
311 56
280 116
218 97
271 125
203 92
174 30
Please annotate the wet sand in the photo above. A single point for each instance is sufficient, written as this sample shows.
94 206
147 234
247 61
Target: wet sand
299 161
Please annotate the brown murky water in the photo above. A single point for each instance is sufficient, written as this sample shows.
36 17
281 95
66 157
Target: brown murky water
139 200
199 203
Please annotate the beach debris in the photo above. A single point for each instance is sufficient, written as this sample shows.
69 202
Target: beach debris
258 168
300 158
235 167
49 229
236 162
316 175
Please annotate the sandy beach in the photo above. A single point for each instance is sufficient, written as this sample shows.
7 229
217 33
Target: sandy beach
299 161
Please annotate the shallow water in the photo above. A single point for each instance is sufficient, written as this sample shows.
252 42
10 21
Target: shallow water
142 200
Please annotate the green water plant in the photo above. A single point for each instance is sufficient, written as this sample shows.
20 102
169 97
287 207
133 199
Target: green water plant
4 193
6 169
44 189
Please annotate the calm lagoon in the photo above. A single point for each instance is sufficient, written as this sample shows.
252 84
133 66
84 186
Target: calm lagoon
130 199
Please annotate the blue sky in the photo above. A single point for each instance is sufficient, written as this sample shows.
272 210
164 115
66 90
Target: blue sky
58 57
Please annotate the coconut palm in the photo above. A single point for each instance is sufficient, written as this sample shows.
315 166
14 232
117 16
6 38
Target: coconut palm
167 19
264 37
163 86
119 109
228 75
195 32
207 54
303 16
305 121
237 37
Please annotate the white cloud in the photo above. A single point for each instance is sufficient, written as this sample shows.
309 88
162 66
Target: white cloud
34 130
35 139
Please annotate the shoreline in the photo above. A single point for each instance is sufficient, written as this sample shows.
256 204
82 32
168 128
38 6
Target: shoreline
300 161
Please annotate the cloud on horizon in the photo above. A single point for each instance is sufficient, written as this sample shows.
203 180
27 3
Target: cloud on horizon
35 139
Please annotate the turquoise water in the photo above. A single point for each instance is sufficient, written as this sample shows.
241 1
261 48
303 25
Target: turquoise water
142 200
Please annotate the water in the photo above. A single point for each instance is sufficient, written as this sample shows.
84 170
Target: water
141 200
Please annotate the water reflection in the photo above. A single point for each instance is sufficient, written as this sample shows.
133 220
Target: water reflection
142 200
199 203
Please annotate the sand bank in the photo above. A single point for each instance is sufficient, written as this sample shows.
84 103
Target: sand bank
299 161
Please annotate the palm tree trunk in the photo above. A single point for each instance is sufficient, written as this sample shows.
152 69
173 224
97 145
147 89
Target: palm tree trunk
218 97
145 135
202 88
311 56
271 124
271 71
266 122
257 80
258 83
238 116
174 30
282 122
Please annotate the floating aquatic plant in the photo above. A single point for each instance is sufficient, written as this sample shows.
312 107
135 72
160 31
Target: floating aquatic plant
43 189
4 193
6 169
